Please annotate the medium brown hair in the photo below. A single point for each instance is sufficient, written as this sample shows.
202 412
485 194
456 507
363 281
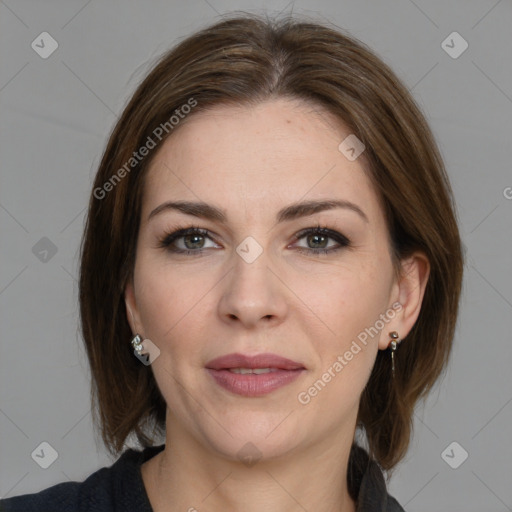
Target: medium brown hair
244 60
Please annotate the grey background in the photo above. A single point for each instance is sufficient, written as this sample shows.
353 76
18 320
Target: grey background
56 116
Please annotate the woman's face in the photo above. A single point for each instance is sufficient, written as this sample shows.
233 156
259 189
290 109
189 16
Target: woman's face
256 284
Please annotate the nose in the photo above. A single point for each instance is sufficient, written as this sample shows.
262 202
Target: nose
253 293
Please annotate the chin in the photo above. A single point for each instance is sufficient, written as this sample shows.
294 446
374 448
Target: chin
254 436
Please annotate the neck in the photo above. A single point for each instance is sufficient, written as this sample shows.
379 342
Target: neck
185 476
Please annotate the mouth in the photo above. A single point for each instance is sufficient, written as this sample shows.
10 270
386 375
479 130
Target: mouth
253 376
256 362
255 371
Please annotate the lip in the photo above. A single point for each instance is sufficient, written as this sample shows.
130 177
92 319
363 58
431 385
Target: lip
284 371
257 361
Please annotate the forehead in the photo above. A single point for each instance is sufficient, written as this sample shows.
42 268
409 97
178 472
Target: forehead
257 158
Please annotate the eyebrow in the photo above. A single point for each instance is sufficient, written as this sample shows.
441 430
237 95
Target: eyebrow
291 212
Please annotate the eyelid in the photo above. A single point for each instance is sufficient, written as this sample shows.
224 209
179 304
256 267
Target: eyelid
324 230
340 239
179 232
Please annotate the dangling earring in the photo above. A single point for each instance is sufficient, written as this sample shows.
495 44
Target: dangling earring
395 341
137 344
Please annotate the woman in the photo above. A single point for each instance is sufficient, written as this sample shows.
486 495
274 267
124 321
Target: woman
271 267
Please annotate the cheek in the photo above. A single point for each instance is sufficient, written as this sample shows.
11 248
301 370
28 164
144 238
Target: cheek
165 296
334 387
174 308
344 300
345 329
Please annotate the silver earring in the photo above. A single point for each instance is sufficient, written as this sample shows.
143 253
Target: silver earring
395 341
137 344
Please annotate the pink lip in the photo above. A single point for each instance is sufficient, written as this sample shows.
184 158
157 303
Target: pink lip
285 372
257 361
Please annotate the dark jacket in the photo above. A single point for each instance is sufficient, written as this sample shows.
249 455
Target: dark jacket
120 488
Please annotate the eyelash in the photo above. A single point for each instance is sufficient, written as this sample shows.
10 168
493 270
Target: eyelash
180 232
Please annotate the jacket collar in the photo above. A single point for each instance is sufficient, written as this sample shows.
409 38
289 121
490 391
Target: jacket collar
365 479
366 483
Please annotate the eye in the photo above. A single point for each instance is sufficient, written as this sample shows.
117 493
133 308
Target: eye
192 240
318 237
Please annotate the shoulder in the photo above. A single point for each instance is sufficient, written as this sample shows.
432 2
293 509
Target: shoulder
66 496
367 485
118 487
393 505
61 497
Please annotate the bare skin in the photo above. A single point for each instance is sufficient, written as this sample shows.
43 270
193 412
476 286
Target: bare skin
306 306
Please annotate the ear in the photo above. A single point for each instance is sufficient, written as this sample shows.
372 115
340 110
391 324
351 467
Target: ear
132 313
407 295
